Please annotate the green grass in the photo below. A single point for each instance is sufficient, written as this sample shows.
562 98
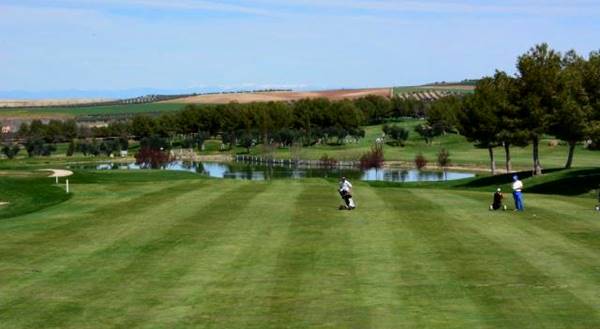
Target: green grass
462 152
28 193
77 111
171 250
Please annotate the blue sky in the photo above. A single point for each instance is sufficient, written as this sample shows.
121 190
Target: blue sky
130 46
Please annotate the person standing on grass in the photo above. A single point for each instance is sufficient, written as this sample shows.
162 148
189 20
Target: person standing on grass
517 187
346 193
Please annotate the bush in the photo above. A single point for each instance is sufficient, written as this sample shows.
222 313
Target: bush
11 151
71 148
152 158
397 134
327 161
86 147
443 158
420 161
37 146
155 143
428 132
373 158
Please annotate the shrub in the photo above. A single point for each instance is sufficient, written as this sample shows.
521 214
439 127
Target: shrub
420 161
71 148
373 158
153 153
37 146
397 134
443 158
152 158
327 161
11 151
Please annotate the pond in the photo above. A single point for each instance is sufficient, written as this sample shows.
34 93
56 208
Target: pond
253 171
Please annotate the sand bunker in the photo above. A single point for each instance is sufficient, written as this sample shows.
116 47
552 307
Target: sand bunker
58 172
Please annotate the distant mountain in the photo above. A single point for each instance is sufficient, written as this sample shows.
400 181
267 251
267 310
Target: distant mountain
105 94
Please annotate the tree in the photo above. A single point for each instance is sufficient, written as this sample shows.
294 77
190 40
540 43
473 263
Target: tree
71 148
247 141
570 120
591 83
36 146
143 126
443 158
479 120
539 74
508 112
375 108
396 133
428 132
11 151
443 114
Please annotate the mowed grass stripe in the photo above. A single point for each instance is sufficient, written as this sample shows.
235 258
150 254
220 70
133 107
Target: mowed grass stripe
317 285
572 265
60 229
573 219
80 232
233 288
396 286
185 251
87 268
510 282
166 258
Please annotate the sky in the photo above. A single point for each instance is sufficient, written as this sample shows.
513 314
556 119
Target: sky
94 48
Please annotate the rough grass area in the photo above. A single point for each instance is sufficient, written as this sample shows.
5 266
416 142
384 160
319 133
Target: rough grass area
179 252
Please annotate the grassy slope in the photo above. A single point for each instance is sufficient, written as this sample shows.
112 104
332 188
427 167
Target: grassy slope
27 194
158 252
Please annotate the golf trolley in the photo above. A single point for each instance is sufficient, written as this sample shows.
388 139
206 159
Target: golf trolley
598 205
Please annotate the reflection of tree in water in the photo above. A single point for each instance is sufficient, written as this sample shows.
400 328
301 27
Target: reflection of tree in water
404 175
187 165
200 168
396 176
268 172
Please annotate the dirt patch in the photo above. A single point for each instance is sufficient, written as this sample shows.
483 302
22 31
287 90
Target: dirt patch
47 102
4 203
279 96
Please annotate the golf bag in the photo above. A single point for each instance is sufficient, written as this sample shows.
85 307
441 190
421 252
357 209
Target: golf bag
347 197
497 202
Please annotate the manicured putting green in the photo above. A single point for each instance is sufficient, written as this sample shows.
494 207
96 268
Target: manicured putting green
196 253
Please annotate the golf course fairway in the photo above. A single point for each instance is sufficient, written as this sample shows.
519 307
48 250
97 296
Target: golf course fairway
141 250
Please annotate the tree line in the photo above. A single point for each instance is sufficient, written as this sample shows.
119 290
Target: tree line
551 93
306 122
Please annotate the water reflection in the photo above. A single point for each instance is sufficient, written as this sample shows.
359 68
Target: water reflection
253 171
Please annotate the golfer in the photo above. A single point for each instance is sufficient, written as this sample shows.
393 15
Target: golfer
517 188
346 193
